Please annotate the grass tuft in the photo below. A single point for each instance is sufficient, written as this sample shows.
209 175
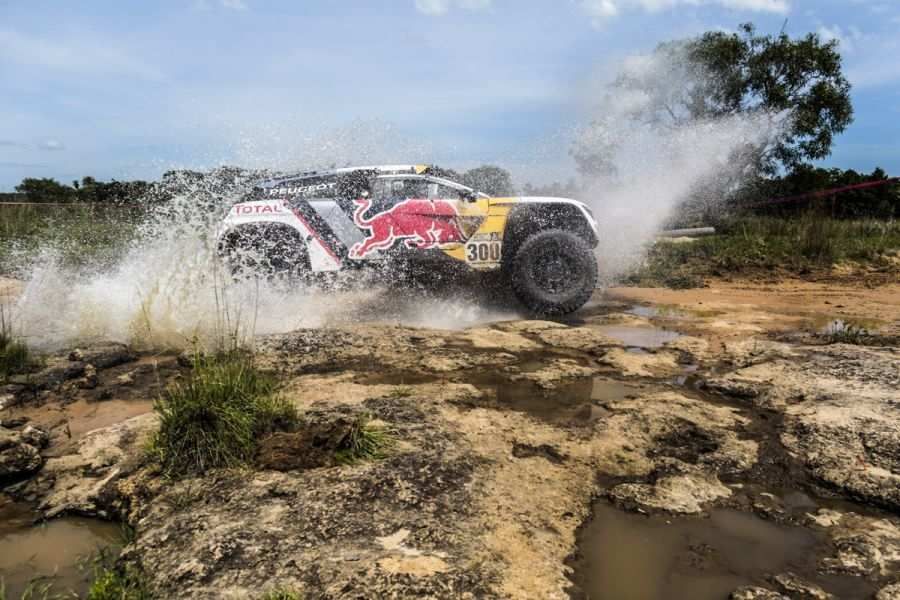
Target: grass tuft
365 441
215 418
14 354
116 582
841 332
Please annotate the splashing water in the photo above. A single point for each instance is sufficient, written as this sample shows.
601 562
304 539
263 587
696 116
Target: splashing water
170 290
646 167
167 289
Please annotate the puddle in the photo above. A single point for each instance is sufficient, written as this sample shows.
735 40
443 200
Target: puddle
633 557
69 422
661 311
577 402
639 337
53 551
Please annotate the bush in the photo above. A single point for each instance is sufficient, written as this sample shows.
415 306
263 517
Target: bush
215 418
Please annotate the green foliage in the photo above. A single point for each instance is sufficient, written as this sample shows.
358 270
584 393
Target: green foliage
36 590
215 418
15 356
401 391
881 202
88 190
770 245
111 581
489 179
118 584
365 441
721 74
45 190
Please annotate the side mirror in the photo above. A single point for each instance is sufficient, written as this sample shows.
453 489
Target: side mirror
469 196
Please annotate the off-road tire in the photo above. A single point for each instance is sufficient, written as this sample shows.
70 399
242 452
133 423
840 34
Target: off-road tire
267 253
553 272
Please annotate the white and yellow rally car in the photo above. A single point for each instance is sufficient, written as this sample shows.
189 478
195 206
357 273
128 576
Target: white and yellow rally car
321 221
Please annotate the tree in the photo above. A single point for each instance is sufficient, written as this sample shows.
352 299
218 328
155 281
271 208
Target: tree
489 179
45 190
722 74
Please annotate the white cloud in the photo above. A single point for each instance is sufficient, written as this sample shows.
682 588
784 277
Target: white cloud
437 8
602 10
51 145
847 39
205 5
73 55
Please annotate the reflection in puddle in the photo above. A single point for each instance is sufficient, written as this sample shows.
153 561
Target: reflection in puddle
578 402
639 337
662 311
632 557
53 551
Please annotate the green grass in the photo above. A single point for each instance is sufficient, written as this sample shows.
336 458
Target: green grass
36 590
365 441
15 357
78 234
112 583
748 245
215 418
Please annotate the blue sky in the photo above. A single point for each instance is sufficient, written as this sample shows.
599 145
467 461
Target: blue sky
123 89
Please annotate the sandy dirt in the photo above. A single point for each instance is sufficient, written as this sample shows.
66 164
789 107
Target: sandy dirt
739 308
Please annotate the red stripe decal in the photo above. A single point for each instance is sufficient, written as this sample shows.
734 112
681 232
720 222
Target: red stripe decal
316 236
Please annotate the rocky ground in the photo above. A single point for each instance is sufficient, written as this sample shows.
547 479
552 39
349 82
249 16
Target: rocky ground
507 434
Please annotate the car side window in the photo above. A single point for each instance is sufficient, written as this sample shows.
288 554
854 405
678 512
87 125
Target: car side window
397 189
443 192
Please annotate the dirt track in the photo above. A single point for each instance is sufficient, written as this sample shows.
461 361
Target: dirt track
508 433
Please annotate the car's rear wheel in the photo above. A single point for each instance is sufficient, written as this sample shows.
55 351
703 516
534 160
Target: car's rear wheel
553 272
266 252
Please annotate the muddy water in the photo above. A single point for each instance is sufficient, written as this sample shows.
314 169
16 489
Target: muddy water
629 556
578 402
639 337
52 552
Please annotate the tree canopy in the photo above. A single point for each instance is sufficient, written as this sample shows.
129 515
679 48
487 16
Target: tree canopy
87 190
720 74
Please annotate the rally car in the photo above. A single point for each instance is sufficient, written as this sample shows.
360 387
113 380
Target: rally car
320 221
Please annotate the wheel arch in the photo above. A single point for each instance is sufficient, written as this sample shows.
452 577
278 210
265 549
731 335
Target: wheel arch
256 231
527 219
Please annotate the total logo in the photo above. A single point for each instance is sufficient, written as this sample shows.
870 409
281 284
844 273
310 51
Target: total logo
258 209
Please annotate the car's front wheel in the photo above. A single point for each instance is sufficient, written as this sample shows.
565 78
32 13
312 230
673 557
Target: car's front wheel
268 252
553 272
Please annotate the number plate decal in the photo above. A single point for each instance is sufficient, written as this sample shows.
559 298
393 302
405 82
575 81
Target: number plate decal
483 252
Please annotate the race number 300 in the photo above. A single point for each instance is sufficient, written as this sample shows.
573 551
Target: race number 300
483 252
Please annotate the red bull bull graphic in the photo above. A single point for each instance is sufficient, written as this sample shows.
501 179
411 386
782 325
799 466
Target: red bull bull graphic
423 224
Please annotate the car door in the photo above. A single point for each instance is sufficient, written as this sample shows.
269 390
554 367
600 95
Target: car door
387 215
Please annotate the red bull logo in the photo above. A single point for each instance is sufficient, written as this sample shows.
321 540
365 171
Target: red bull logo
422 224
